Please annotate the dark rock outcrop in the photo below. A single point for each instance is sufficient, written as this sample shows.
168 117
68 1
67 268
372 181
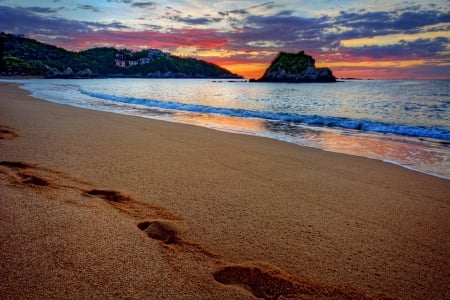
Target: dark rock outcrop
70 74
86 73
291 67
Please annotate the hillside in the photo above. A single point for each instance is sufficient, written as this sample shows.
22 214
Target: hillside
20 55
296 67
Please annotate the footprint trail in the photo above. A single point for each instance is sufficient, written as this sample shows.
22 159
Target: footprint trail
161 225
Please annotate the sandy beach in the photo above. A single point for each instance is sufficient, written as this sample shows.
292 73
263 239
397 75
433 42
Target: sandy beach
100 205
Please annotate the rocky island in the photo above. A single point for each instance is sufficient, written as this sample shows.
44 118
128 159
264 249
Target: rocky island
291 67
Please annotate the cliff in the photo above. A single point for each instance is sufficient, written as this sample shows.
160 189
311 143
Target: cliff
300 67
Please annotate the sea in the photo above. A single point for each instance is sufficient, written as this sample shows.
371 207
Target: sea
402 122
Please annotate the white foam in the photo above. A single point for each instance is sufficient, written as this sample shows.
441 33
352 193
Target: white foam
413 169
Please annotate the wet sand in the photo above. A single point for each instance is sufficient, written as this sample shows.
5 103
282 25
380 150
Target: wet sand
99 205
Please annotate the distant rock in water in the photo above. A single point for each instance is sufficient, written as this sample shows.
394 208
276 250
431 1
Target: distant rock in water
291 67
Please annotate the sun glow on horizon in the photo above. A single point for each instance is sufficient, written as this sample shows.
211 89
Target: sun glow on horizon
247 70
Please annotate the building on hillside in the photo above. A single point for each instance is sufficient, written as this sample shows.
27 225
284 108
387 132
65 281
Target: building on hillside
155 53
144 60
120 63
124 60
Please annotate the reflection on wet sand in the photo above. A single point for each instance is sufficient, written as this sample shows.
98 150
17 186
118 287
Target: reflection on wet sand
408 152
223 123
418 154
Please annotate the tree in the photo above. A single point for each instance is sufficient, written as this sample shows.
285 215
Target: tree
2 50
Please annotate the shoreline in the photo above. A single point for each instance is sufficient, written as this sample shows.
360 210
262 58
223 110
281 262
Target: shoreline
84 191
338 142
412 169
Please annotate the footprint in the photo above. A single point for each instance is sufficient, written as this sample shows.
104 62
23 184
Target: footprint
159 227
270 284
159 224
263 282
7 133
159 230
21 173
112 196
15 164
132 207
34 180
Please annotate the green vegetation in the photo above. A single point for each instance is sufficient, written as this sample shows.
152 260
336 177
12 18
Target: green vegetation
290 62
28 56
2 64
299 67
184 67
20 55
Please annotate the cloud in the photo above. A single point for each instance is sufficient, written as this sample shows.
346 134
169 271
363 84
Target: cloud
285 13
122 1
322 34
418 49
177 16
290 33
79 35
153 27
89 8
168 41
148 4
369 24
25 21
416 20
267 5
113 25
44 10
237 17
138 4
236 12
195 21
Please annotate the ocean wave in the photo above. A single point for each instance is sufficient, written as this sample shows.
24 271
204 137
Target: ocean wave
310 120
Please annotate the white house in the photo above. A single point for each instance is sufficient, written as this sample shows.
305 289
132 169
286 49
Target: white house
144 60
121 63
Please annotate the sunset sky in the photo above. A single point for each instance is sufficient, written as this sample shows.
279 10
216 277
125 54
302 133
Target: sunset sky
364 39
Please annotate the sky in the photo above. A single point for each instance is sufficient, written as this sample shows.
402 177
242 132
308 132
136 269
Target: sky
380 39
